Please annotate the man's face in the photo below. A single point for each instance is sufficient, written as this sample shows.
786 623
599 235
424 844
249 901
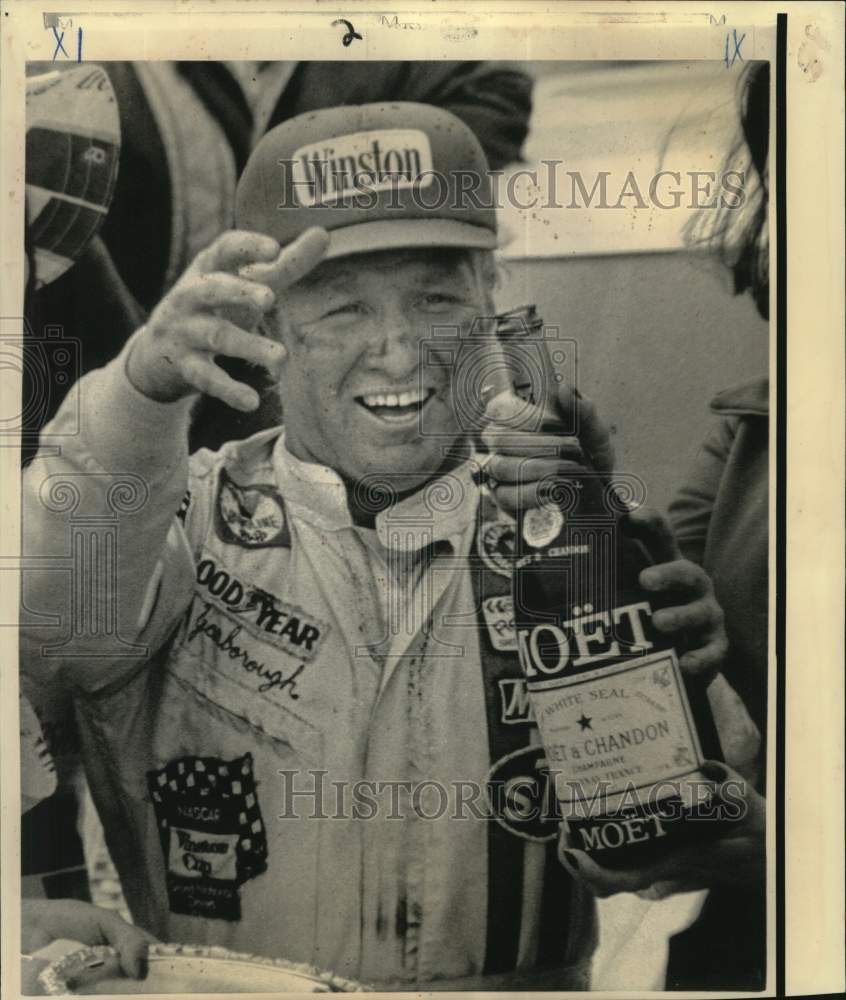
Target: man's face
358 394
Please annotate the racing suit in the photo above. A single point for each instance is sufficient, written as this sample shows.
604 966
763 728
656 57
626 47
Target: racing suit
290 723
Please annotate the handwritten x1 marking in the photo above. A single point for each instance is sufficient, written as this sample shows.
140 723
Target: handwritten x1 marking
59 46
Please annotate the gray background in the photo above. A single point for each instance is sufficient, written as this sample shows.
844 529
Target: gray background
657 336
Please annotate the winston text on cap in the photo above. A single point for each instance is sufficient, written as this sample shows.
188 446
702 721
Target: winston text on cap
331 170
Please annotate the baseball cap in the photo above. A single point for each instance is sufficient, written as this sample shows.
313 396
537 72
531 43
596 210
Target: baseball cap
375 176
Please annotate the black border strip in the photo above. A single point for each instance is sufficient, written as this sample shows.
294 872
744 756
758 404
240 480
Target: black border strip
781 484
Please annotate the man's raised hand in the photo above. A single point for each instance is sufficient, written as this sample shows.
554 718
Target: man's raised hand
213 310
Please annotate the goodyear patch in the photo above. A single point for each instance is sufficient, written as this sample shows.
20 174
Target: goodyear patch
257 611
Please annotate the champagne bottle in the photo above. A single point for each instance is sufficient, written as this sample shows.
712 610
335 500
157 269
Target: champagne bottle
624 731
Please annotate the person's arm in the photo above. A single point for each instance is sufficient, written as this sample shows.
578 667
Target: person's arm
46 920
112 567
691 509
98 502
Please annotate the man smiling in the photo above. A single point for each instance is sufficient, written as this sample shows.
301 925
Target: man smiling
362 521
375 399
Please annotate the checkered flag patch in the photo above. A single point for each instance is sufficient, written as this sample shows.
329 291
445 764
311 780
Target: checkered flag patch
203 804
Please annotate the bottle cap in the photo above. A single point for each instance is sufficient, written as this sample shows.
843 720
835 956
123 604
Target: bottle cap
519 322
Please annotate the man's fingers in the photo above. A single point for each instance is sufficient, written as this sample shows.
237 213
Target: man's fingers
701 614
205 376
724 860
685 868
702 618
681 575
219 336
568 418
730 786
511 413
514 498
506 442
578 415
508 498
602 882
130 942
706 659
524 446
236 249
595 436
49 920
133 958
661 890
33 937
515 470
220 290
735 856
293 263
651 528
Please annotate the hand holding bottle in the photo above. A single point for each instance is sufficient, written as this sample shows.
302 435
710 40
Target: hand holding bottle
692 606
531 449
605 610
736 857
531 446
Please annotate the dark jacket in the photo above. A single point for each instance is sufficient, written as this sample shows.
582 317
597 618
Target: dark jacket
721 518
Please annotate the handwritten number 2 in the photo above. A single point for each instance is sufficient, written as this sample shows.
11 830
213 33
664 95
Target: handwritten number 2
351 33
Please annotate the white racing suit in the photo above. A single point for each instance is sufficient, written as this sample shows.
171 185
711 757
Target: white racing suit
289 723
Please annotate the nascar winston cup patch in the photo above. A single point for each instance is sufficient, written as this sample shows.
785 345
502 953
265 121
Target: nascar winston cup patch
211 830
250 516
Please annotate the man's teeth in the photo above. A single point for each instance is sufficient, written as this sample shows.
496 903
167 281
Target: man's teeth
394 398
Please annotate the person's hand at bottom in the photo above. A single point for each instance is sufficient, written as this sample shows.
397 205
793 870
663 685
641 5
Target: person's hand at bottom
47 920
734 857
